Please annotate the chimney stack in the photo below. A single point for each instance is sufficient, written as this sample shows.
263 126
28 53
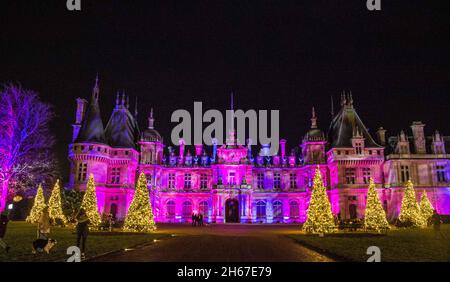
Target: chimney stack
283 148
381 135
417 128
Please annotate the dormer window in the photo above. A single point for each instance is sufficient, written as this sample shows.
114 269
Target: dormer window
358 148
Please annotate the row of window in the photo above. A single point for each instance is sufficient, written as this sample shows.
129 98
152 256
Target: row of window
359 151
350 175
187 209
261 209
99 149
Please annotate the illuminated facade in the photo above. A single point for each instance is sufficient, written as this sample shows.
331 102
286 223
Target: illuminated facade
231 184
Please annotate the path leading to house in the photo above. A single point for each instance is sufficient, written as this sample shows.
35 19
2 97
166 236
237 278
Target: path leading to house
224 242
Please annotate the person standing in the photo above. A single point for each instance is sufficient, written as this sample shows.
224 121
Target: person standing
200 219
436 220
194 219
82 231
3 224
44 225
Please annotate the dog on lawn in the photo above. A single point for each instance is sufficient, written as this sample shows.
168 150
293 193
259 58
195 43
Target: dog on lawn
43 245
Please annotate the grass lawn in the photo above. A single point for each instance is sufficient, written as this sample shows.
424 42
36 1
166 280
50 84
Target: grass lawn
20 235
406 245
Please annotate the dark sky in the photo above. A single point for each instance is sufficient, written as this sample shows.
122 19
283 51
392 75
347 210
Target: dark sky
286 55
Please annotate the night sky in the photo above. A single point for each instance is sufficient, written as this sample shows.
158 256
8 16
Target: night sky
285 55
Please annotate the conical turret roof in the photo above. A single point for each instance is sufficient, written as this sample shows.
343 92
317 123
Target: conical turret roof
345 124
122 130
92 126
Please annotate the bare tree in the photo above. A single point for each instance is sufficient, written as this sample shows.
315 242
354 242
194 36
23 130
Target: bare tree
26 156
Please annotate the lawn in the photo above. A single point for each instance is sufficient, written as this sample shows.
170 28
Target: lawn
405 245
20 235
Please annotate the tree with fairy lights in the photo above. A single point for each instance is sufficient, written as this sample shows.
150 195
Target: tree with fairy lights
89 204
410 214
38 206
320 218
55 206
375 216
425 207
140 215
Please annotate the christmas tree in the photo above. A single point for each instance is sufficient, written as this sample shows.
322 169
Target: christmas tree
410 214
320 218
38 206
55 206
425 207
140 214
89 203
375 216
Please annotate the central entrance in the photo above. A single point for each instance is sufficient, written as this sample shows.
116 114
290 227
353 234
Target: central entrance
231 211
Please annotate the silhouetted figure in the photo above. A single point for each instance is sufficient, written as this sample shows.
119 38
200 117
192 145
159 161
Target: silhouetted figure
200 219
82 230
436 220
3 225
194 219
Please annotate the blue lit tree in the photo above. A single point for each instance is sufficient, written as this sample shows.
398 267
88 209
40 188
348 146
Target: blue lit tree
26 158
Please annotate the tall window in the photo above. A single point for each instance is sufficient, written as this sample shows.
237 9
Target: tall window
293 209
203 208
440 171
366 174
277 180
203 181
350 175
187 209
187 181
293 181
82 171
404 173
358 148
260 180
149 178
171 181
115 175
232 178
170 209
261 210
278 210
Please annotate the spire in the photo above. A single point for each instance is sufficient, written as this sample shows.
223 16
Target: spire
123 97
343 99
350 99
332 107
313 119
117 99
135 107
232 134
151 120
232 110
95 90
128 102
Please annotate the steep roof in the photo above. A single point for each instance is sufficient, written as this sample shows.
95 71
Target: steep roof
346 124
92 126
122 130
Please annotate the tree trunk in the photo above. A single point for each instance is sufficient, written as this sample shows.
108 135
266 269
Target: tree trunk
3 195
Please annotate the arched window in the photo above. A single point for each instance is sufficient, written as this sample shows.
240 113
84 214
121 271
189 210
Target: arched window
203 208
277 210
170 209
261 210
293 210
187 209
